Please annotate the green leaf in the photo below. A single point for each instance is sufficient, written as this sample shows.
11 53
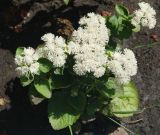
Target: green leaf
124 105
120 26
19 51
25 80
121 10
113 20
61 113
111 45
93 106
124 30
109 88
66 1
78 102
45 65
137 28
105 92
34 96
120 20
112 85
60 82
43 87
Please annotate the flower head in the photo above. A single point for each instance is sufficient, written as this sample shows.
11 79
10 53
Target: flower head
88 45
27 62
92 30
54 49
144 16
123 65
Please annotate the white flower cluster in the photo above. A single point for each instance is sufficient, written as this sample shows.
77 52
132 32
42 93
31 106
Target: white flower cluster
27 62
144 16
54 49
123 65
88 45
92 30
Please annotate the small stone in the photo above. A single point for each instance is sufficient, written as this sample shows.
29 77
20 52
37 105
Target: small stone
119 131
106 13
154 37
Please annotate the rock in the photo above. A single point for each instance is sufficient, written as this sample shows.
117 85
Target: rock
7 73
119 131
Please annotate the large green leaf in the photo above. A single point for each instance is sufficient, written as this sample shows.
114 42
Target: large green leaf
43 87
77 102
34 96
64 110
45 65
19 51
124 105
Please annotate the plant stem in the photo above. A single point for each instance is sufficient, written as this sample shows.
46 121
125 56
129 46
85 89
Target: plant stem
134 121
122 126
149 45
70 129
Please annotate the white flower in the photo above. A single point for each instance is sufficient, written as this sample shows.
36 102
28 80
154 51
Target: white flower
27 62
73 48
30 55
28 51
18 60
48 37
88 46
144 16
22 70
93 30
54 49
123 65
28 59
99 72
34 68
40 52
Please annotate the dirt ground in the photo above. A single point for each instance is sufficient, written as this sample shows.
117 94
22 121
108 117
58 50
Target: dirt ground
18 117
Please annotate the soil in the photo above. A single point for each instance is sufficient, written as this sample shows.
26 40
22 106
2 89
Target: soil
18 116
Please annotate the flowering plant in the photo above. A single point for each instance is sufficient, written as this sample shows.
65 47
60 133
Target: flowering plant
91 72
